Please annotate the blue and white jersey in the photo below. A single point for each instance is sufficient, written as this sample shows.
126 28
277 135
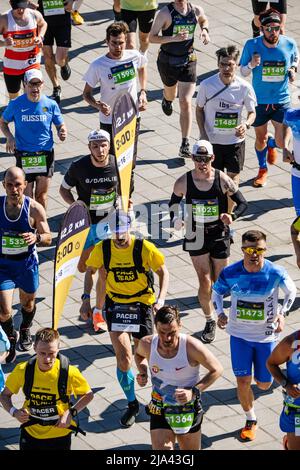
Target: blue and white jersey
292 119
33 122
270 79
254 299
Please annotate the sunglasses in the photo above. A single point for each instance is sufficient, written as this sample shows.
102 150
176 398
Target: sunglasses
250 250
269 29
202 158
33 84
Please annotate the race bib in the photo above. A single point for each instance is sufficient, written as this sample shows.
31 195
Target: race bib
13 245
297 425
205 210
34 164
225 122
23 40
250 312
126 318
102 200
53 7
177 28
273 71
123 73
180 418
43 406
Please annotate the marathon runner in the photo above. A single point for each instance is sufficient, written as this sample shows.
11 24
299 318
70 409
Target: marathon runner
23 226
255 319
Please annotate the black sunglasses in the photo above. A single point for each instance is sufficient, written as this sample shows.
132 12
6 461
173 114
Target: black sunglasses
202 158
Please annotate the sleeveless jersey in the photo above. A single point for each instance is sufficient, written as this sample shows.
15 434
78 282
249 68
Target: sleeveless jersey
180 22
11 243
23 54
293 366
205 207
169 374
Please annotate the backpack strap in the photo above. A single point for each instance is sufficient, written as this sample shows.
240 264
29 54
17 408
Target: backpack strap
137 255
106 250
63 377
29 377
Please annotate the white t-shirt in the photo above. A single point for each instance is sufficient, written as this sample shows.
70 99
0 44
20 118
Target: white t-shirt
224 112
114 76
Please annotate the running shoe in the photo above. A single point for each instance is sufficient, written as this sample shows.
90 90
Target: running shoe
65 72
248 433
167 107
56 94
271 154
25 341
12 350
184 151
261 179
128 418
98 321
76 18
209 333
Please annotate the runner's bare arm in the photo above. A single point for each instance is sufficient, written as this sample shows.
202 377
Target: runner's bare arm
200 354
200 118
163 275
43 234
203 23
161 22
10 140
42 27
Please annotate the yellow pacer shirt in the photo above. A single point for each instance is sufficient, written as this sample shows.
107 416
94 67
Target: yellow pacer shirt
123 277
44 396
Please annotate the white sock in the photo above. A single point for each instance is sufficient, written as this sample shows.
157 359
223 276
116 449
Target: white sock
250 415
209 318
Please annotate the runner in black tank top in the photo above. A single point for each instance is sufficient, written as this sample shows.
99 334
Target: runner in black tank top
177 60
207 240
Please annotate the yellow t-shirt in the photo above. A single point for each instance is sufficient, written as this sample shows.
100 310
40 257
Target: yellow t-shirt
123 277
44 395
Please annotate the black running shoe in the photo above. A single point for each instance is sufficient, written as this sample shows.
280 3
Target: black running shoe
25 341
12 350
209 333
65 72
167 107
128 418
56 95
184 151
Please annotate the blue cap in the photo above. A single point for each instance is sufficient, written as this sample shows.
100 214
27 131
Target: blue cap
121 222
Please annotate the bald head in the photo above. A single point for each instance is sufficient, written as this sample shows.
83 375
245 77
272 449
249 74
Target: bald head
14 172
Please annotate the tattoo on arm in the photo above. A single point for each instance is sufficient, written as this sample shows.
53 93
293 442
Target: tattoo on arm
230 185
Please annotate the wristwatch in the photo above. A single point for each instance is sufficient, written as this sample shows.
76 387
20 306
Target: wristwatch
85 296
247 125
74 412
38 238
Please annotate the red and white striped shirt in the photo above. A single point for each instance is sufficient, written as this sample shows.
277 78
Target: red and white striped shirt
24 54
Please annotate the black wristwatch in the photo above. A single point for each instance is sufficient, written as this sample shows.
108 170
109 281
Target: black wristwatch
204 27
74 412
247 125
196 392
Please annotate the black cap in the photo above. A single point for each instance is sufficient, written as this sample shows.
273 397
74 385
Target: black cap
19 4
273 17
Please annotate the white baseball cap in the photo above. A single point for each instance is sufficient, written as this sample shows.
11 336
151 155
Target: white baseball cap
99 134
33 73
202 147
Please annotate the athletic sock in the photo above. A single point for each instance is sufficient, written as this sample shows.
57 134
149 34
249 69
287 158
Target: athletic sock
271 143
8 327
209 318
250 415
126 380
27 318
185 141
262 157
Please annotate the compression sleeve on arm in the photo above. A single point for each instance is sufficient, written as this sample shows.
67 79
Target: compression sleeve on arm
290 291
174 206
241 204
217 301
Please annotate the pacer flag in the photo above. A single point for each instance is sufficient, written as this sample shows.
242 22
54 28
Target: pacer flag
70 242
123 129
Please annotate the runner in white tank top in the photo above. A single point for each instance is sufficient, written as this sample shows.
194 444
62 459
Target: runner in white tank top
174 360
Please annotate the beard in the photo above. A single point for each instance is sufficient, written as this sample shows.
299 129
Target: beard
271 40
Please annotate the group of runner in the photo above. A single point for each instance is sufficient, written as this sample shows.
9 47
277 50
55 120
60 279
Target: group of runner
125 302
